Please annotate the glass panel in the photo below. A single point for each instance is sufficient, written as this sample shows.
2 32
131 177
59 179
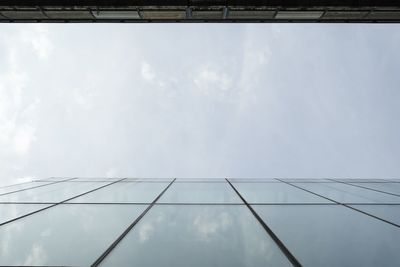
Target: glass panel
200 193
96 179
305 180
124 192
56 179
12 211
389 213
202 180
197 235
276 193
251 180
393 188
65 234
164 180
333 235
51 193
348 194
362 180
393 180
16 187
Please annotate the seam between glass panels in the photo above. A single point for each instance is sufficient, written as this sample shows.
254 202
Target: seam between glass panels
345 205
199 204
58 203
372 189
5 186
274 237
127 230
50 183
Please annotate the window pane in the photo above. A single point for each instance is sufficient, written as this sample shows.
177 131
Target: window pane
390 213
197 235
348 194
124 192
305 180
276 193
204 180
250 180
16 187
163 180
96 179
200 193
70 234
393 188
12 211
333 235
51 193
361 180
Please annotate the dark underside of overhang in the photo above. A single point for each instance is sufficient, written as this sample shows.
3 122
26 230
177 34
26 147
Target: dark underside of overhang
135 11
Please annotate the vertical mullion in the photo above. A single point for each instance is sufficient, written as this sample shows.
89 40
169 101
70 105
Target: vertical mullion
274 237
127 230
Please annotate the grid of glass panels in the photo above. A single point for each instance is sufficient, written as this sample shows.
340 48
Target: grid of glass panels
200 222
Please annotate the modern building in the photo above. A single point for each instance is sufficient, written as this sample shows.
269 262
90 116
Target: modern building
200 11
200 222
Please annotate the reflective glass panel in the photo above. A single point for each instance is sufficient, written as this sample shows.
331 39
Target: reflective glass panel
200 193
96 179
276 193
12 188
393 188
348 194
197 236
164 180
394 180
70 234
333 235
389 213
56 179
124 192
185 180
51 193
250 180
361 180
305 180
12 211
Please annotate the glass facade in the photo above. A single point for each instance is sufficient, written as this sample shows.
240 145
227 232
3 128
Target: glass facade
200 222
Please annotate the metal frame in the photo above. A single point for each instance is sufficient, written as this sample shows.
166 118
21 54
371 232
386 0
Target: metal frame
55 204
365 187
274 237
127 230
345 205
277 11
231 183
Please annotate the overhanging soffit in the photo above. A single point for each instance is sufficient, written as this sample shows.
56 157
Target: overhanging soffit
139 11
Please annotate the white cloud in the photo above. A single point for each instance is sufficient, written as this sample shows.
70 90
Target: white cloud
145 231
16 114
147 72
25 179
37 35
38 256
84 98
209 80
112 172
207 227
23 138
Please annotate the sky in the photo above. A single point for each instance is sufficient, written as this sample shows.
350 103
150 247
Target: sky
199 100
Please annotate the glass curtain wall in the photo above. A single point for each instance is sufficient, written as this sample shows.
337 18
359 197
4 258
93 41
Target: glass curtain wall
200 222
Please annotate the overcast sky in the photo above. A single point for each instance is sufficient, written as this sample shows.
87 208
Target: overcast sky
199 100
